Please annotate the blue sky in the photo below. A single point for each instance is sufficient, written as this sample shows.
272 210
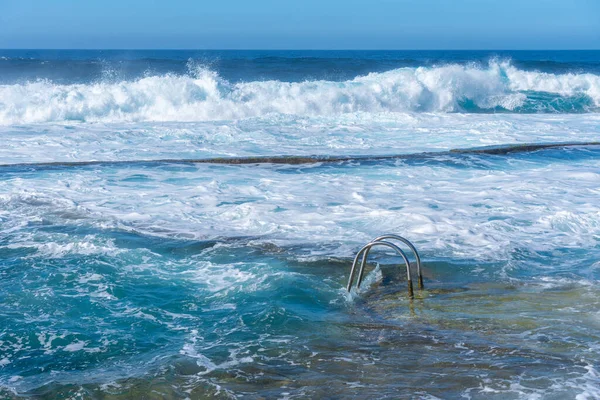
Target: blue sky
307 24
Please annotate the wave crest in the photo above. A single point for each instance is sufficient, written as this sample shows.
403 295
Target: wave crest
203 95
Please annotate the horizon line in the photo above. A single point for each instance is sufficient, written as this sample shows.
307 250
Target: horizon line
285 49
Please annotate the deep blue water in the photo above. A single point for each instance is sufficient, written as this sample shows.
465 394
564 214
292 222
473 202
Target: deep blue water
83 66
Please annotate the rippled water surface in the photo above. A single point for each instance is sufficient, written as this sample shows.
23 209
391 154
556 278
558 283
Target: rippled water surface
138 278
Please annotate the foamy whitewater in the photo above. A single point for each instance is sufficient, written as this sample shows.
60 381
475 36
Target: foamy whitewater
204 96
128 272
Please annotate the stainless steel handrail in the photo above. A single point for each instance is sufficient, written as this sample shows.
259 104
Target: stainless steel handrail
401 239
366 248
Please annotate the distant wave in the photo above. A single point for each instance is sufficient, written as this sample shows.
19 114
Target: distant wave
203 95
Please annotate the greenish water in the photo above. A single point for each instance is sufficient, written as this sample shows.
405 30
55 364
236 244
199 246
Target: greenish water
219 269
109 288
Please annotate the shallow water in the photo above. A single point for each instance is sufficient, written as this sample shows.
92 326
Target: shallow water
175 280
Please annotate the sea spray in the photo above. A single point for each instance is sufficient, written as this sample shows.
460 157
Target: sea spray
204 96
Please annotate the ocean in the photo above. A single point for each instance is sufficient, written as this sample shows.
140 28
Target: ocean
181 224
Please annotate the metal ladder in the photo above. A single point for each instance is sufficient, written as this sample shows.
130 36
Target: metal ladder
381 241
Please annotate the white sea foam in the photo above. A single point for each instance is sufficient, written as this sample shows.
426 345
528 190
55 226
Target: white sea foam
486 212
75 346
578 386
589 384
491 210
62 245
359 133
204 96
190 349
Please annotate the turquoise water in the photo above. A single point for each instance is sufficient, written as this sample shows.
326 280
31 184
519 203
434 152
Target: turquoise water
145 279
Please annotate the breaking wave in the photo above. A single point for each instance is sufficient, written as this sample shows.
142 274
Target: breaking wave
203 95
